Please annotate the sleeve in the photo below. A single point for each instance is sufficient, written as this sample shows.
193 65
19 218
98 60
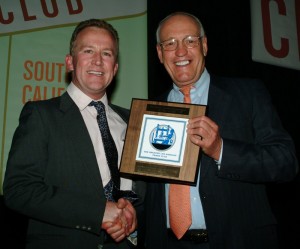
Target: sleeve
256 147
44 179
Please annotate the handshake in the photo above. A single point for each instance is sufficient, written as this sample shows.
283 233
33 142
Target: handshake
119 219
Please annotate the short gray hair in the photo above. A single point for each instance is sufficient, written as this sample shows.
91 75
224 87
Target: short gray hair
202 32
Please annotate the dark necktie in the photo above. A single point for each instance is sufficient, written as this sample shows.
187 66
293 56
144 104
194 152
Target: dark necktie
112 189
179 196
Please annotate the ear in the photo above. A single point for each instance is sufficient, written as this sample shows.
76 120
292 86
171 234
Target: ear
116 68
69 63
204 45
159 53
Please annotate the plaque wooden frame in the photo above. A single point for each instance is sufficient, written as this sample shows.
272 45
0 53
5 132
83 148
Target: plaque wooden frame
129 165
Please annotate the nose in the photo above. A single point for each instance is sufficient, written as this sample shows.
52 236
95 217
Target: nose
97 59
181 49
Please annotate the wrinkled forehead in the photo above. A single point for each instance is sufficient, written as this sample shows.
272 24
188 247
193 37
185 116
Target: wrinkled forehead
178 24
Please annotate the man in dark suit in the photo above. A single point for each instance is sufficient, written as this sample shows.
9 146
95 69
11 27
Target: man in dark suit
242 145
57 169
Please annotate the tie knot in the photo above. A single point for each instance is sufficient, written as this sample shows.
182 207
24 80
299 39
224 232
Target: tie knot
98 105
186 89
186 92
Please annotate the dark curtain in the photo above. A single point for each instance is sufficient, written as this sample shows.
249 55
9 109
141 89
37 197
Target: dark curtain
228 27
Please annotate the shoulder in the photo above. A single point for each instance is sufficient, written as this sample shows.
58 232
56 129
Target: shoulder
123 112
49 102
45 107
236 85
234 81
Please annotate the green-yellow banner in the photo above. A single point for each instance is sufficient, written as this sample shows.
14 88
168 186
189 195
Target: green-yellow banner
34 40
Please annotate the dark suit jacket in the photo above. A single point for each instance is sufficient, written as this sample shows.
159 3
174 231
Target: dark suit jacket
256 150
52 177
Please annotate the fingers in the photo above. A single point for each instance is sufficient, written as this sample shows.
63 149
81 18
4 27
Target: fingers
111 213
131 220
115 230
204 132
129 214
106 225
122 203
203 125
119 219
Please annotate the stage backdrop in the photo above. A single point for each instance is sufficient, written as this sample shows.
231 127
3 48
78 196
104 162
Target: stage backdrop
34 39
276 32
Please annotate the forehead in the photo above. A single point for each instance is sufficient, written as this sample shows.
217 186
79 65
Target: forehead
95 37
94 32
179 25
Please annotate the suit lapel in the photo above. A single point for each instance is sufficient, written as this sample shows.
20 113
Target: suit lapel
77 132
218 102
217 112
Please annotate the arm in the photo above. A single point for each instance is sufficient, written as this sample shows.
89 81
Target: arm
52 173
256 148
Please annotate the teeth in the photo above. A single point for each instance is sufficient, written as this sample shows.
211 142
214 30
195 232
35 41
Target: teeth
95 72
182 63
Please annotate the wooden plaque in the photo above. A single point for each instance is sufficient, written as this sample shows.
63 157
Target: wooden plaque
156 143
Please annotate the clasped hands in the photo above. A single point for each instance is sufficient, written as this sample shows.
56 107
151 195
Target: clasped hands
119 219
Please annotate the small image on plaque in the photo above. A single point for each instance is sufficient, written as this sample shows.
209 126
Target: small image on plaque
162 140
162 137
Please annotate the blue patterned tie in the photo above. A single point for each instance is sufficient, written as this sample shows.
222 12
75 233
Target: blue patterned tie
112 189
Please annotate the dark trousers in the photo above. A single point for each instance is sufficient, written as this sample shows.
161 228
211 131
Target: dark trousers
174 243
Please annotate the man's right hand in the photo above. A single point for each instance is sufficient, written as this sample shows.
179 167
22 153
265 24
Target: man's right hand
119 219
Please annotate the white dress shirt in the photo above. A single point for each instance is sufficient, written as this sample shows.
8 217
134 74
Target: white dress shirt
117 128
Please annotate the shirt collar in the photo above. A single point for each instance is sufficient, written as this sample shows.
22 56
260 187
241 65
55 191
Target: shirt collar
199 92
81 99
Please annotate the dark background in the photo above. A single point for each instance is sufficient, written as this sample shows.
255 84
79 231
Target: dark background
228 28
